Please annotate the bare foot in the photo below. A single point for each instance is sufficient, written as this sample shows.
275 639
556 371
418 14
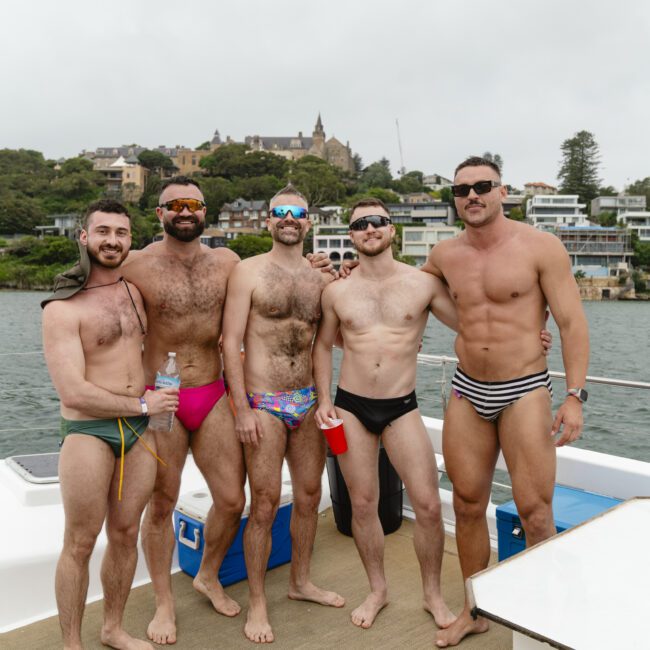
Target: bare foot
442 615
364 615
459 629
315 594
162 629
257 628
121 640
220 600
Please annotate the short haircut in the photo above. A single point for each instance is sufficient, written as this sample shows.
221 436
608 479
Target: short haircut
177 180
103 205
477 161
368 203
291 191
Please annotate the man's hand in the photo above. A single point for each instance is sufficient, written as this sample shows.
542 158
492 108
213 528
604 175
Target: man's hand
322 262
324 413
346 268
547 337
569 419
248 427
163 400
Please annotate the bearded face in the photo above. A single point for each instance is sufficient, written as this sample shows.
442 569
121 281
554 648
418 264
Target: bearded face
184 227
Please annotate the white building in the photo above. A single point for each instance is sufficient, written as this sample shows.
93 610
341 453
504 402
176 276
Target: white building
637 222
436 181
548 211
418 241
421 213
617 204
334 241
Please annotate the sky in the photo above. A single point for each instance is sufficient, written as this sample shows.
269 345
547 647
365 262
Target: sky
513 77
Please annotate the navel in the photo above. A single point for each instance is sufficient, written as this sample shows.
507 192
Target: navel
409 317
514 294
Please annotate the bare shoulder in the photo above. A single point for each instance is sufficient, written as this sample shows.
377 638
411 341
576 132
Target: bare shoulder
540 242
224 255
61 312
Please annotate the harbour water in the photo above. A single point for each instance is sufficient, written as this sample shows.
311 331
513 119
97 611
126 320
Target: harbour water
617 420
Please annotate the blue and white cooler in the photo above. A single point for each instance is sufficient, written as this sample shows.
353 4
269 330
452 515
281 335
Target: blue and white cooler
190 517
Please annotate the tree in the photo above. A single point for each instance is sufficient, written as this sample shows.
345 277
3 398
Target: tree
76 166
387 196
608 190
19 214
156 161
204 146
258 187
579 169
319 181
216 192
607 219
409 183
249 245
358 163
376 175
495 158
640 188
516 214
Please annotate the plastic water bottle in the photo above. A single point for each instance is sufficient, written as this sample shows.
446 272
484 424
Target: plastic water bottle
168 376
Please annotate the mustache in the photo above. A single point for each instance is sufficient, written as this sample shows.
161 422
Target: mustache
473 202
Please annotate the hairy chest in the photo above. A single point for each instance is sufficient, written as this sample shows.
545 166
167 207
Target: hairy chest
175 289
108 321
280 295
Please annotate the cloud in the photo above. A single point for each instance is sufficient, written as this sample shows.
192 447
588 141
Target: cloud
462 77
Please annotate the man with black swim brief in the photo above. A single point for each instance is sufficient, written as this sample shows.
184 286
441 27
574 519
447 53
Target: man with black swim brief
381 310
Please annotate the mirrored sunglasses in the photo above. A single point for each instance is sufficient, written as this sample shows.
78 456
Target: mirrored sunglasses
481 187
374 220
178 205
281 211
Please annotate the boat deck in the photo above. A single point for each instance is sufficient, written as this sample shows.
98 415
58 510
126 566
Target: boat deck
336 565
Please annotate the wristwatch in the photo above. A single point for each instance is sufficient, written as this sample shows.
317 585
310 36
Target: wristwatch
579 393
143 406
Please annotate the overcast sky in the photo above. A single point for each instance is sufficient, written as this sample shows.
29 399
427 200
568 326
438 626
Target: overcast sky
462 76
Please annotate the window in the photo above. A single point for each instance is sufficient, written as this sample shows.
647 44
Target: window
322 243
413 235
335 243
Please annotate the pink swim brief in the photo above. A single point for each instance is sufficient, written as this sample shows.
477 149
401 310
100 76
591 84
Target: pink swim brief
196 402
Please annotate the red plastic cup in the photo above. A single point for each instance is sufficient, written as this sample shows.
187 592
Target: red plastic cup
335 436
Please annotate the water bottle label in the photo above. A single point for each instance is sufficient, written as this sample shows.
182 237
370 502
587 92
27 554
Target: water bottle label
164 381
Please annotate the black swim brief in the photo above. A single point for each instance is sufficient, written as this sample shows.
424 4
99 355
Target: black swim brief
375 414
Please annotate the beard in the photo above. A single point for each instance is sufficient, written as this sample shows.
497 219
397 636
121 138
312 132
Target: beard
110 263
184 234
288 236
368 251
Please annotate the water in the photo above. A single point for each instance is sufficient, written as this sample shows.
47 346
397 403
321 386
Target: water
617 420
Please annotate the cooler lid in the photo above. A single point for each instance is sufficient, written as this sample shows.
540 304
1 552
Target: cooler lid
197 503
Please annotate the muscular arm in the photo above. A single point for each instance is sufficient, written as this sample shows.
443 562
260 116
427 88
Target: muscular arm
235 319
563 297
328 333
442 306
66 362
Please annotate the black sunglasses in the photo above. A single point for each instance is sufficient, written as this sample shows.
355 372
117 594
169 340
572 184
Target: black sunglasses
481 187
374 220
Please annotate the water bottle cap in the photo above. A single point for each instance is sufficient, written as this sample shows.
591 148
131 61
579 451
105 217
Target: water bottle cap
172 354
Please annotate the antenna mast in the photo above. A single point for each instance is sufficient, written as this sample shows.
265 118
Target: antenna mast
402 169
